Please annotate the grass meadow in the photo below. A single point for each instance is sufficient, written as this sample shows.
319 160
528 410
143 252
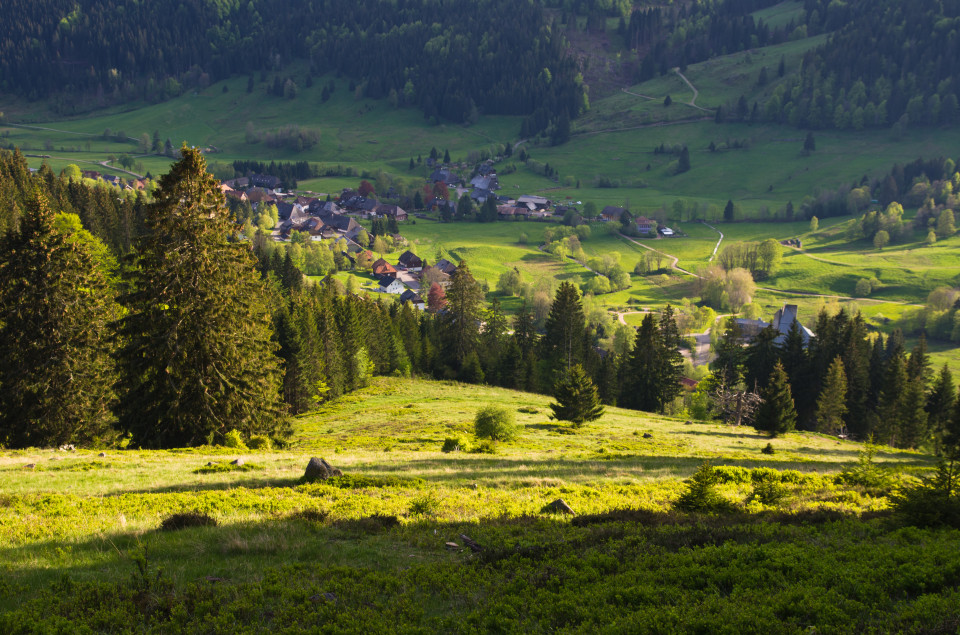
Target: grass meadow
80 545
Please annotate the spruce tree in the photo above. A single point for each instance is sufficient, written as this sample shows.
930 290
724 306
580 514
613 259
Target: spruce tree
56 370
562 341
464 312
940 403
669 359
832 405
640 385
198 358
777 414
577 399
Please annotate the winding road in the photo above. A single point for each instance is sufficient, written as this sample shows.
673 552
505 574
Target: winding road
696 93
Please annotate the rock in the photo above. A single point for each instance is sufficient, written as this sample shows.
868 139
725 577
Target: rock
209 463
451 545
30 466
467 540
237 462
474 486
319 469
647 435
688 423
102 455
559 506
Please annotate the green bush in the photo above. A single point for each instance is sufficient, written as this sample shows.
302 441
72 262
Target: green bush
226 466
495 423
425 505
484 447
702 494
233 439
455 444
934 501
768 492
768 449
260 442
866 473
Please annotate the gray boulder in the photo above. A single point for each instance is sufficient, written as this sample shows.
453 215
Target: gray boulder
559 506
320 470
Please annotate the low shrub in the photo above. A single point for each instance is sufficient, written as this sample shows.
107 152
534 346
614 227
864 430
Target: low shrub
496 423
530 410
233 439
369 524
702 494
184 520
311 515
425 505
359 481
455 444
484 447
768 492
260 442
866 473
227 466
768 449
934 501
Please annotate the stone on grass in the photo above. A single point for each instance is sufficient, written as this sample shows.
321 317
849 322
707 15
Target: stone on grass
559 506
452 545
319 469
237 462
647 435
102 455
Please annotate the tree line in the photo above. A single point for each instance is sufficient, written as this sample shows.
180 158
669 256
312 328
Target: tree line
452 60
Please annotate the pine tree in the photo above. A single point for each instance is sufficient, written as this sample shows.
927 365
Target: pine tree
889 410
577 399
728 211
461 321
562 342
640 381
831 405
670 360
198 359
776 415
56 371
940 404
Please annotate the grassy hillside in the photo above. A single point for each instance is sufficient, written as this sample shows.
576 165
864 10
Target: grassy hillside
82 522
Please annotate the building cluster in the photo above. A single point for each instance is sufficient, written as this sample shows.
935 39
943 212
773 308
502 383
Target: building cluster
411 277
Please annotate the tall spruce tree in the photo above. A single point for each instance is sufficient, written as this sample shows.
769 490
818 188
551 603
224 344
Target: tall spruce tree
563 337
198 359
640 383
577 399
832 402
669 359
461 321
777 414
940 403
56 370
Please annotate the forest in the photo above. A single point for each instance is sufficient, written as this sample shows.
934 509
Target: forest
452 60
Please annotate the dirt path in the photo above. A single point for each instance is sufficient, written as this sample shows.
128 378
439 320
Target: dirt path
79 134
717 246
696 93
639 95
818 259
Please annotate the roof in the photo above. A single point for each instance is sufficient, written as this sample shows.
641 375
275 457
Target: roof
386 281
783 319
445 266
613 212
410 296
410 259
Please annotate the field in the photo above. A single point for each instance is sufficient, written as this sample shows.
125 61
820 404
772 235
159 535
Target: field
367 551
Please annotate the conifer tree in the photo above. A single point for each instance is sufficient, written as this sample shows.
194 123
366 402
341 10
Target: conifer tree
640 381
198 358
777 414
940 403
832 405
577 399
889 410
562 341
461 322
56 370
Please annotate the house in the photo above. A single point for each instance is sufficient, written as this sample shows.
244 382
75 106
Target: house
445 176
323 208
343 224
646 225
389 284
238 184
390 211
409 261
688 384
488 182
412 298
481 195
783 319
90 174
429 275
612 213
534 202
260 195
285 211
383 268
446 266
265 181
506 212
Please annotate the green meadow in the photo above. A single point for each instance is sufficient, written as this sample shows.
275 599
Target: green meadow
381 548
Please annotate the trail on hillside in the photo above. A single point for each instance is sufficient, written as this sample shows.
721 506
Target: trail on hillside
638 95
81 134
643 126
819 259
103 164
692 102
717 246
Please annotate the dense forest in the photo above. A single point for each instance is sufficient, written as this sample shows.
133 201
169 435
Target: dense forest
453 60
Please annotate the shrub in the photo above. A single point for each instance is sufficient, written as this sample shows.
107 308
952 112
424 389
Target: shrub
426 505
530 410
455 444
233 439
702 494
260 442
768 492
495 423
934 501
768 449
484 447
187 519
226 466
866 473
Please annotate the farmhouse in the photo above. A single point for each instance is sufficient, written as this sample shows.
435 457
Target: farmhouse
534 202
413 298
383 268
783 319
646 225
390 211
265 181
446 176
409 261
612 213
389 284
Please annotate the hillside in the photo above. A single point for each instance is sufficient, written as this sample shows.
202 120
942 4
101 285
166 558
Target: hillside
82 522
